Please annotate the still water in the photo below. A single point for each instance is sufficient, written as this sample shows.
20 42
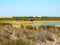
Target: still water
47 23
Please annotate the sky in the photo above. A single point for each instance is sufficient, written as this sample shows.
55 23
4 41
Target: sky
29 7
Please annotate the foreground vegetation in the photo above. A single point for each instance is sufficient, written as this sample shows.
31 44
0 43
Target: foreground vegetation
29 34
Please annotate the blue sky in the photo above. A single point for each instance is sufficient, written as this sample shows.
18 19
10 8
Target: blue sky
29 7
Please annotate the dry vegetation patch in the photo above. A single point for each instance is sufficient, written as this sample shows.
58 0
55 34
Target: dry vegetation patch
27 34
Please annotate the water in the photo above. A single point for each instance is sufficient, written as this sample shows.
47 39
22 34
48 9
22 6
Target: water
47 23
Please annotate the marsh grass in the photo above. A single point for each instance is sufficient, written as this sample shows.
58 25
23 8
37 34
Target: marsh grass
27 34
16 42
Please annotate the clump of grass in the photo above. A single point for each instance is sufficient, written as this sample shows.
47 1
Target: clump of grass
16 42
13 42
